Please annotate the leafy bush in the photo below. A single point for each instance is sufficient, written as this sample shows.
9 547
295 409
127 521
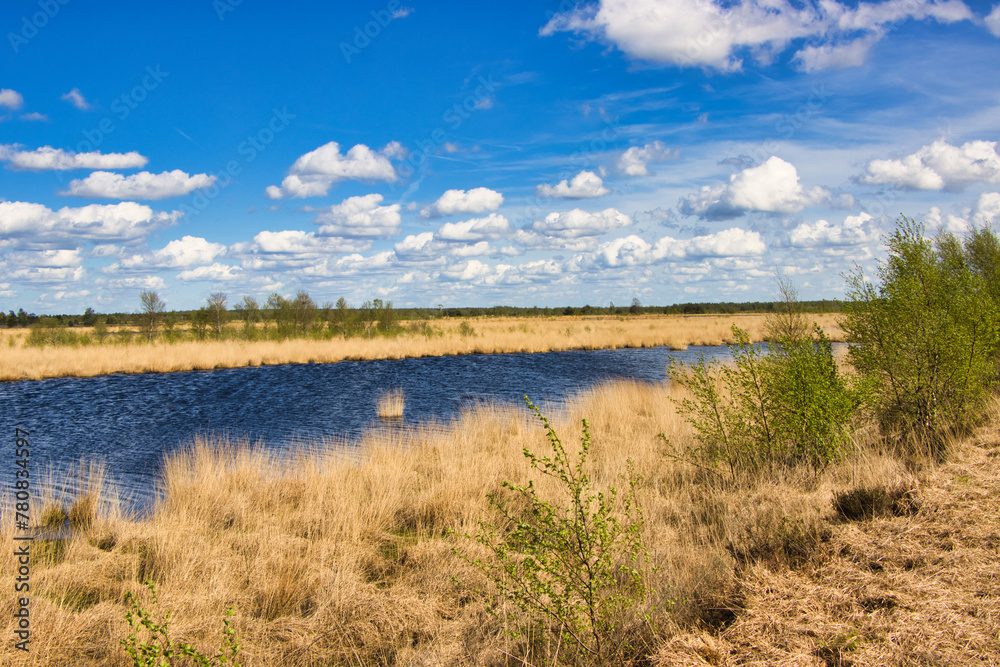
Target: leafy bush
926 335
781 405
574 567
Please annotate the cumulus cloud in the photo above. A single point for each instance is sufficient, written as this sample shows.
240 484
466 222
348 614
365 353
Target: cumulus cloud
315 172
75 97
577 223
138 282
48 158
61 258
716 33
584 185
987 209
772 187
298 245
360 217
993 21
213 273
178 254
939 166
855 230
493 226
477 200
34 116
634 161
428 247
835 56
144 185
633 250
122 222
11 99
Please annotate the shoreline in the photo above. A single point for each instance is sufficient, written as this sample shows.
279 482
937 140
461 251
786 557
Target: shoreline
368 546
489 336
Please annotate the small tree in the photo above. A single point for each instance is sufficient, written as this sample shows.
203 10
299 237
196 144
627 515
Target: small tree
152 306
249 312
576 564
788 323
217 311
926 334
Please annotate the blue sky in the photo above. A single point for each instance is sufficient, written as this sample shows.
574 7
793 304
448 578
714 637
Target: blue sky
533 153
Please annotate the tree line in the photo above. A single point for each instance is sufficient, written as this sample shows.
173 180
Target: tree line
90 317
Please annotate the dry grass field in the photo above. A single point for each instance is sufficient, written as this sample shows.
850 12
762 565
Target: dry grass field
344 557
488 336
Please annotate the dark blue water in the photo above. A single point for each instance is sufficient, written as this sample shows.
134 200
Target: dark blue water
130 421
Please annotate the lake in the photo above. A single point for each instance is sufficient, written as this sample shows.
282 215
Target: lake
131 421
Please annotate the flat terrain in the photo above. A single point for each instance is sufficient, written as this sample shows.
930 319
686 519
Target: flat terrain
336 559
443 337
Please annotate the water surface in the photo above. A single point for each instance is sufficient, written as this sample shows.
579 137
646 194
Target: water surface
131 421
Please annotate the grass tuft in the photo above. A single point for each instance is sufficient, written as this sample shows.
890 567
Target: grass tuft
390 404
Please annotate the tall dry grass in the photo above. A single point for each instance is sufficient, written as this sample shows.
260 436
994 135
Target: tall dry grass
491 335
344 555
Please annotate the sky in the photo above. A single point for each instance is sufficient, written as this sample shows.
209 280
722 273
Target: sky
478 154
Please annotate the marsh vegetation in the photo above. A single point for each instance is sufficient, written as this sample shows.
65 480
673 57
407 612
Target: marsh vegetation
787 508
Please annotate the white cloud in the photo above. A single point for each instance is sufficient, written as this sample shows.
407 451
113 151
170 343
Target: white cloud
712 33
856 230
214 273
835 56
493 226
939 166
58 259
122 222
953 224
179 253
11 99
46 275
987 209
578 223
48 158
315 172
477 200
300 245
632 250
34 116
138 282
360 217
584 185
771 187
634 160
144 185
993 21
75 97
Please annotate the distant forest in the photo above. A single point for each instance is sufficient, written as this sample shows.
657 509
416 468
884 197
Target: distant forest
90 317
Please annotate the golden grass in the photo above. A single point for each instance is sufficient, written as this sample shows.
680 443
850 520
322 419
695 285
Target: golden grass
344 555
492 335
390 404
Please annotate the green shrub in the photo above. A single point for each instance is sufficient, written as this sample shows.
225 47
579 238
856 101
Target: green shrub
574 566
926 333
158 649
783 405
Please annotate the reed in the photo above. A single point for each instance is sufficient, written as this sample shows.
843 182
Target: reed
390 404
441 338
343 554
